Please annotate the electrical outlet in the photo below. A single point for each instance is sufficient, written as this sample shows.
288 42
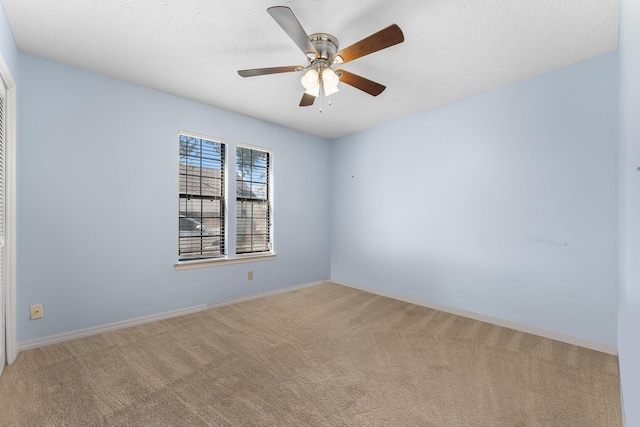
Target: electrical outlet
36 311
250 275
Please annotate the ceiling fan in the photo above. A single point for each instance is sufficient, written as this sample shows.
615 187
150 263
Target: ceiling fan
322 52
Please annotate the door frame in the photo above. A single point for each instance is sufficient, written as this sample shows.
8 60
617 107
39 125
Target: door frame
11 345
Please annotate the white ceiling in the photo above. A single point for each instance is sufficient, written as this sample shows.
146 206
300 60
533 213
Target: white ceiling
193 48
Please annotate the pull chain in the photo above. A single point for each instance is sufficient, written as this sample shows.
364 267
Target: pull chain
322 102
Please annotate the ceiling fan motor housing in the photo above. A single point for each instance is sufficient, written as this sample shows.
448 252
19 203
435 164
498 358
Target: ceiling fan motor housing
326 45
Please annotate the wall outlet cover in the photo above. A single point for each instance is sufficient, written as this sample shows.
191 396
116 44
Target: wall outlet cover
36 311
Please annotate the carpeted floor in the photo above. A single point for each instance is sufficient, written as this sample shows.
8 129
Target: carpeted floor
321 356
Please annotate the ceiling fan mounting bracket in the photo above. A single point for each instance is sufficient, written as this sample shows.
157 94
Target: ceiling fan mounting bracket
326 46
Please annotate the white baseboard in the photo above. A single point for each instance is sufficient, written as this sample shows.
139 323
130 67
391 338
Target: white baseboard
54 339
569 339
624 421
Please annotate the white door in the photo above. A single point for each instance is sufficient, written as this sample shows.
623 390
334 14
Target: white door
3 99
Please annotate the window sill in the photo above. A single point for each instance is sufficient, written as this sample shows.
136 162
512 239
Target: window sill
200 263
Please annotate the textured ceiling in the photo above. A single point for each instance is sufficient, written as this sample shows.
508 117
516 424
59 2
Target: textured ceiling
193 48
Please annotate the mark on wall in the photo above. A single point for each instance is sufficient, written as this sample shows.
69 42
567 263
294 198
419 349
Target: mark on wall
545 241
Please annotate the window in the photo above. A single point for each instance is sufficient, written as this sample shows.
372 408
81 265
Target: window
202 204
253 201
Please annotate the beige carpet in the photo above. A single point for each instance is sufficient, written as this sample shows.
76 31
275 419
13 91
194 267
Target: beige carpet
320 356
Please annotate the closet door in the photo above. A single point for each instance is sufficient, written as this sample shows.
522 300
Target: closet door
3 99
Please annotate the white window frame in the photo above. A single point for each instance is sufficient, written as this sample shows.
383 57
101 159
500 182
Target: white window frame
269 200
230 214
224 143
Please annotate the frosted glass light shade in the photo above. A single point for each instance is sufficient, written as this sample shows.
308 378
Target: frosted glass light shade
311 82
330 81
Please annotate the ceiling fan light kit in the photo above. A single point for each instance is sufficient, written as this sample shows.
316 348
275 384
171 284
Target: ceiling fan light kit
322 52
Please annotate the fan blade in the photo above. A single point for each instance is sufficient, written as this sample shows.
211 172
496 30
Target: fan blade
381 40
365 85
273 70
290 24
307 100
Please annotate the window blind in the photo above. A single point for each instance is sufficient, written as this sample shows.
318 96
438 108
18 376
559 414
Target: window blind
202 204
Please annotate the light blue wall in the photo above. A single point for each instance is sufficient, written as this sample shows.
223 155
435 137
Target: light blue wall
98 212
503 204
629 309
8 48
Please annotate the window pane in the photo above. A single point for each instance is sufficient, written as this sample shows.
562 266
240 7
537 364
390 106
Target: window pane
192 207
212 226
259 158
259 175
244 225
211 168
212 208
259 191
260 242
211 186
189 184
243 189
